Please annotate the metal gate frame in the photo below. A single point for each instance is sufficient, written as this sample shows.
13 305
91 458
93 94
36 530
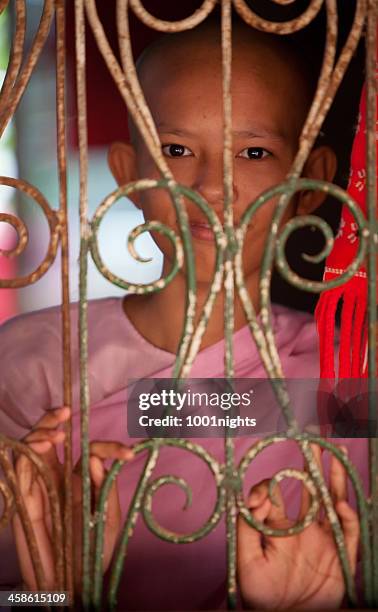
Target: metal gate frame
229 240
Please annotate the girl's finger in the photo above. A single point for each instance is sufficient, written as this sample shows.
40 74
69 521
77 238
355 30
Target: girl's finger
25 468
260 492
111 450
46 449
97 471
53 418
338 478
42 434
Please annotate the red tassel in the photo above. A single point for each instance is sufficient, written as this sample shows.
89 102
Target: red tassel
348 308
325 317
352 334
359 326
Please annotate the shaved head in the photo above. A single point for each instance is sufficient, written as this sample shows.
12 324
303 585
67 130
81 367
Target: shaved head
262 53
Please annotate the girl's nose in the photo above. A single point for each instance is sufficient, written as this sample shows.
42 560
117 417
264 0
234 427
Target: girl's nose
209 183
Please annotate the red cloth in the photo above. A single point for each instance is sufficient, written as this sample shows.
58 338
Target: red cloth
353 333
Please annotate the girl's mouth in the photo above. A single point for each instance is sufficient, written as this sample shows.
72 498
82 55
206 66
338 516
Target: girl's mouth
201 231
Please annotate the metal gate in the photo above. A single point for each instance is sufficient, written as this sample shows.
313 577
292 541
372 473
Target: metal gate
229 274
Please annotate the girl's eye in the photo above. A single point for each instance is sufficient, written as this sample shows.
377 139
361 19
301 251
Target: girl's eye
254 153
176 150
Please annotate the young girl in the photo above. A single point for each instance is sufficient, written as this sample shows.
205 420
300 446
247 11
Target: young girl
138 337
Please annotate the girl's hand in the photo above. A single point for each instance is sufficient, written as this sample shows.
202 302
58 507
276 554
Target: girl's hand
43 439
301 571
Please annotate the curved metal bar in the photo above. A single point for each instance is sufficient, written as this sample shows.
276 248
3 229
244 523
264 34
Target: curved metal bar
275 250
175 240
22 234
150 226
338 535
325 94
54 221
279 241
24 518
130 72
283 27
99 520
132 515
298 527
26 72
192 345
173 26
325 72
9 507
53 496
152 487
141 502
15 59
150 138
312 286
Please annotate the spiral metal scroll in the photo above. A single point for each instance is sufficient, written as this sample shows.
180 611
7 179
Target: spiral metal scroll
153 486
16 79
54 221
192 336
22 234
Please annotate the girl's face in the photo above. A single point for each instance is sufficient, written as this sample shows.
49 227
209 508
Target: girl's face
184 93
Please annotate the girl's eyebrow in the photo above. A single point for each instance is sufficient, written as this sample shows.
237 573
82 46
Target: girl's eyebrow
258 132
171 130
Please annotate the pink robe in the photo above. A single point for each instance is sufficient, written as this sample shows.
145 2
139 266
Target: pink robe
158 575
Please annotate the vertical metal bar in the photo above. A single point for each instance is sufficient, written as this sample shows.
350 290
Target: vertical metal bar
66 331
228 184
231 510
371 118
83 306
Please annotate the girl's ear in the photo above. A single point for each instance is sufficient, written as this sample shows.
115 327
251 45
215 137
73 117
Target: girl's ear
321 165
122 164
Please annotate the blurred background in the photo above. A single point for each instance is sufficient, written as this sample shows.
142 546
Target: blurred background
28 151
